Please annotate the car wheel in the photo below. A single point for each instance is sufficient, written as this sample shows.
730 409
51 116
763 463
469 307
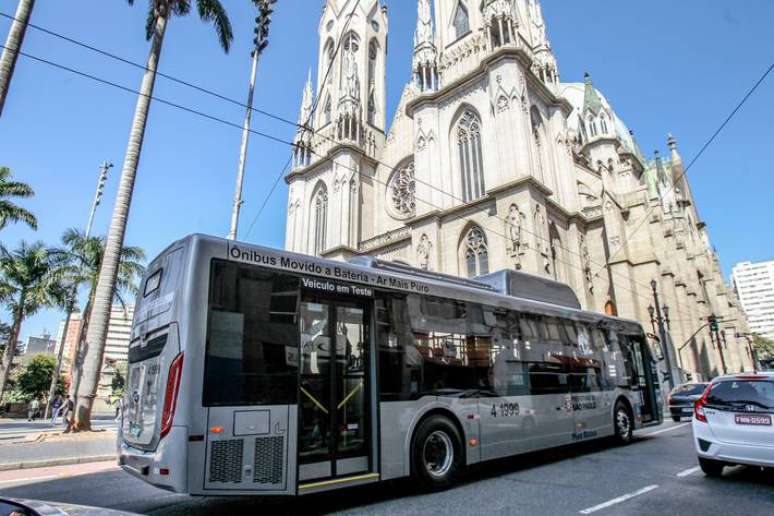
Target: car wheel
711 468
676 419
436 452
623 424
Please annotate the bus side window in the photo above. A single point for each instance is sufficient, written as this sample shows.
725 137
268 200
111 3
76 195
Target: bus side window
400 362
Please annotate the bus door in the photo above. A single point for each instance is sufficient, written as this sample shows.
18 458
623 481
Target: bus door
333 409
644 378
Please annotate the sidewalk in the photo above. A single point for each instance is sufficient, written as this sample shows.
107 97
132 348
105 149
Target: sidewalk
58 449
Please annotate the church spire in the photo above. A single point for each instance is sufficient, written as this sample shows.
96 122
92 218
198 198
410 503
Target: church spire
425 54
307 102
591 100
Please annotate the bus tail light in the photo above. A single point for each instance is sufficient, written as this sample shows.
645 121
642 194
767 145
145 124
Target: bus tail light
698 407
170 395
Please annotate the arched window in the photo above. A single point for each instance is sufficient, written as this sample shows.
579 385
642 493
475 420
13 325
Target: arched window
537 134
329 52
603 123
592 124
475 252
354 202
471 157
461 21
327 111
320 214
373 48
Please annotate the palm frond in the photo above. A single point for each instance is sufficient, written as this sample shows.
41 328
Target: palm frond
213 11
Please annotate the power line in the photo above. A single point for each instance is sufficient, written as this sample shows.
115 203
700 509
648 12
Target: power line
305 127
291 144
695 158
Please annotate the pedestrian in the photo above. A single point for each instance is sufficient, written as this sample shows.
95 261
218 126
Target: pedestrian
67 411
56 408
32 409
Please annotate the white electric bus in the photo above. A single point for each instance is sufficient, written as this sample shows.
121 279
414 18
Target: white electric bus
257 371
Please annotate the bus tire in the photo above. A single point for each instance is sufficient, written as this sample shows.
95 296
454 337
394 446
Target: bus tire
623 423
436 455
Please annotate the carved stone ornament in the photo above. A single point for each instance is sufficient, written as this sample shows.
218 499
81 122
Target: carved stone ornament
423 252
401 191
514 229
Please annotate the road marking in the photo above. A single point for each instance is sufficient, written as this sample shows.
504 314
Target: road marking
17 480
667 429
618 500
689 471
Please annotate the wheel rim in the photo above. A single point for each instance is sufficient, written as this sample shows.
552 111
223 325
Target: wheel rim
623 423
438 454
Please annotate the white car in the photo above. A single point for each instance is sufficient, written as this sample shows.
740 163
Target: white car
733 422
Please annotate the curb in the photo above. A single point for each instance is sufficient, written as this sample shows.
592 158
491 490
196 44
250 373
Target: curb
63 461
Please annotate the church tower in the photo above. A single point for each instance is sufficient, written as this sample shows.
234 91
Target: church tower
342 130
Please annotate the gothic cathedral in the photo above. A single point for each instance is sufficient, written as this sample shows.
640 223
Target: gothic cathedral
491 161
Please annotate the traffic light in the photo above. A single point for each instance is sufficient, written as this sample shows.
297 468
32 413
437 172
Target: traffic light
713 323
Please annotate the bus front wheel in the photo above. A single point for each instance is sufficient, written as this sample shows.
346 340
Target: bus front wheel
436 452
623 423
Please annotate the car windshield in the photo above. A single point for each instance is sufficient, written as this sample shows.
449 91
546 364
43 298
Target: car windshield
742 393
689 389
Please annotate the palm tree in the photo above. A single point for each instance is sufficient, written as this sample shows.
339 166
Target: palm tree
79 261
29 281
10 212
159 14
12 46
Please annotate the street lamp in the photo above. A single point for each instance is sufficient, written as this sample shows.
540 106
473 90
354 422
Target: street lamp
662 335
652 312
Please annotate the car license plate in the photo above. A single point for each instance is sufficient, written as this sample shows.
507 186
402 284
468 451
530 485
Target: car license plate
752 419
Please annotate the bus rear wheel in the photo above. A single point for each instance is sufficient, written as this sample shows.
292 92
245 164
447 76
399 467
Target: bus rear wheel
436 452
623 424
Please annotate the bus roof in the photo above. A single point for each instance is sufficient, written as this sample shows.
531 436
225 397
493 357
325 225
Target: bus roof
494 289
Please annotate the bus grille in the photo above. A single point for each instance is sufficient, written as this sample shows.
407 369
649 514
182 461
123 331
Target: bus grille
268 460
226 461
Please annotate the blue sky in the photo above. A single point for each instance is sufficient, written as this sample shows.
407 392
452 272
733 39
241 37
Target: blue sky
665 66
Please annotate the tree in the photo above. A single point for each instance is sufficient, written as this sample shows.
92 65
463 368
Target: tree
159 14
32 381
79 261
29 281
12 46
763 346
10 212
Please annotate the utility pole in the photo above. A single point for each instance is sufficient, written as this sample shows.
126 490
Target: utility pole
71 299
662 334
261 41
714 330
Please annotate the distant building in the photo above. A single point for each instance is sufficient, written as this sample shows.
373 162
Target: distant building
42 344
119 333
69 341
754 284
117 342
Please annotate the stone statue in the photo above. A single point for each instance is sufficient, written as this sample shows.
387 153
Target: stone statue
352 80
514 228
423 252
424 32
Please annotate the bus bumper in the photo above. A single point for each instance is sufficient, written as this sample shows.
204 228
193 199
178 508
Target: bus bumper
165 467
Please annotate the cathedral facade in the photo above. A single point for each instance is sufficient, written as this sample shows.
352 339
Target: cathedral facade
491 162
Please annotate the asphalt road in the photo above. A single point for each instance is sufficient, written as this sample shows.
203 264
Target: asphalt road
657 475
